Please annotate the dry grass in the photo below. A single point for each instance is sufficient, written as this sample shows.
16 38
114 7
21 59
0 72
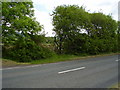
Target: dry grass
117 86
9 63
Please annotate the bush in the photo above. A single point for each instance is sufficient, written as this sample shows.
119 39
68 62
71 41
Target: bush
26 52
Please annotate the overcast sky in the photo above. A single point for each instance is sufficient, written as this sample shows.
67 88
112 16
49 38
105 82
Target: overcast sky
43 9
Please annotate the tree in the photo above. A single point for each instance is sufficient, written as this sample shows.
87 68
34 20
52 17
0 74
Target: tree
20 33
105 31
118 33
18 21
102 24
68 21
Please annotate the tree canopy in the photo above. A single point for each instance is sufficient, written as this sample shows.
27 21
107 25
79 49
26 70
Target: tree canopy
20 32
99 30
77 31
18 20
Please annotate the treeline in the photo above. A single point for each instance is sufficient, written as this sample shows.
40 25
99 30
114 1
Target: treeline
80 32
77 32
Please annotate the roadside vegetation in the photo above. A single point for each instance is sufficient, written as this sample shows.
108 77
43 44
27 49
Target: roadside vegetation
53 59
117 86
65 57
78 33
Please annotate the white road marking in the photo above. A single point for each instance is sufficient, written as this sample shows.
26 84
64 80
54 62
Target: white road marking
71 70
20 67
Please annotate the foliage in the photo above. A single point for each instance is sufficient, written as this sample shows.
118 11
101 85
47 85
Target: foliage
118 35
18 21
20 33
77 31
100 34
50 40
68 22
26 51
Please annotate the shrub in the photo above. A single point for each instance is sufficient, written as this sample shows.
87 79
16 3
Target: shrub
26 52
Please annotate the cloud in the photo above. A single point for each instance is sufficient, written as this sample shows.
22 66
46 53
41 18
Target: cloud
119 11
45 20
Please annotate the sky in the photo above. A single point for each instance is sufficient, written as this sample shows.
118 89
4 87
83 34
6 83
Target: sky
43 9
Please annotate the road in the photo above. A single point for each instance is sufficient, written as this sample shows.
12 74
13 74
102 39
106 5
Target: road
97 72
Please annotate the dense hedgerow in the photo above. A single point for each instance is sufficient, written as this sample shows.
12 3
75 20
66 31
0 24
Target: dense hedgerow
26 52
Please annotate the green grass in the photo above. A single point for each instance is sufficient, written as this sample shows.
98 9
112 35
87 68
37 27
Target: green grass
59 58
55 58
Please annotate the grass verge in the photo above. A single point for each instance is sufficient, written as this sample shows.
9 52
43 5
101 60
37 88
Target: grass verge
9 63
59 58
116 86
55 58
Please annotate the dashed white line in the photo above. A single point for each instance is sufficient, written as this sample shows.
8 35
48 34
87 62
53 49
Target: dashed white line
71 70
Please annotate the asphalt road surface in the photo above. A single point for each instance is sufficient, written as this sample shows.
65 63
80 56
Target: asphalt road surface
98 72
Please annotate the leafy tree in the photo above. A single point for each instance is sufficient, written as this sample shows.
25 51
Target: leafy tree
68 21
104 28
18 21
103 25
20 33
118 32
